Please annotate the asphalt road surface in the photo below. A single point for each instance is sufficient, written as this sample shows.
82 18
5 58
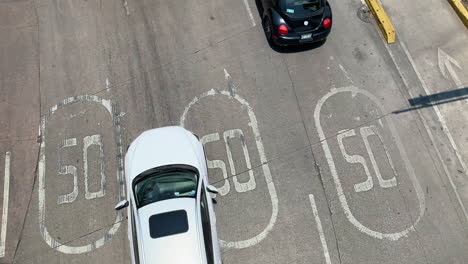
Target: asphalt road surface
353 151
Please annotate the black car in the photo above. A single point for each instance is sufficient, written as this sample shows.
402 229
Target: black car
293 22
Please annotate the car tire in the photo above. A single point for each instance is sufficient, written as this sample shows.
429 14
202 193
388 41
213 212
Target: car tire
266 23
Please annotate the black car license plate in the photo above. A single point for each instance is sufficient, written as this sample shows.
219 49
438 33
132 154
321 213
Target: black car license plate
306 36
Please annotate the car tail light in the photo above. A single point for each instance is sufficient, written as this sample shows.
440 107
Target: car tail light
326 23
283 30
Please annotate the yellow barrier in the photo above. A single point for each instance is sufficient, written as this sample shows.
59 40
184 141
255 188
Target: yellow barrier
383 21
461 11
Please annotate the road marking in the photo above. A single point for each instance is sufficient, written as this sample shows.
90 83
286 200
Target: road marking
445 62
231 86
320 229
127 10
107 85
115 117
342 197
250 184
266 169
365 133
217 164
67 170
436 109
6 196
247 6
346 72
87 142
441 120
353 159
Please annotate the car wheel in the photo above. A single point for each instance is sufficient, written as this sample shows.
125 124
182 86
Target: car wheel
267 28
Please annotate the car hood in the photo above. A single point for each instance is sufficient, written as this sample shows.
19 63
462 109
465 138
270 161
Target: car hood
180 248
160 147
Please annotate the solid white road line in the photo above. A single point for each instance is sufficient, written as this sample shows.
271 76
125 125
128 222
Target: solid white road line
429 132
445 129
436 109
247 6
320 229
6 190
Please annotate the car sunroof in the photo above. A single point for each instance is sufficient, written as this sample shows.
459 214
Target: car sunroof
168 224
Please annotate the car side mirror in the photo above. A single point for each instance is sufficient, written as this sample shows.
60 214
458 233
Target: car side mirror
121 205
212 189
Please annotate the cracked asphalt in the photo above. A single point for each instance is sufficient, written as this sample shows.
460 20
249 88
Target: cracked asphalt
319 152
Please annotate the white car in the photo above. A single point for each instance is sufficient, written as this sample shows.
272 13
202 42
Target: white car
170 212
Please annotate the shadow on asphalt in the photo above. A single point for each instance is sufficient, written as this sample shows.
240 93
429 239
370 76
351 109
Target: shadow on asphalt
435 99
289 49
298 48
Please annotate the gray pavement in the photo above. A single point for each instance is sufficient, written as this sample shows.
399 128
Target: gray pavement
317 152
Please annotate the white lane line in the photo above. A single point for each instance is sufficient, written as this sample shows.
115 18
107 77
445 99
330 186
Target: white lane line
247 6
6 190
320 229
346 74
436 109
429 133
444 127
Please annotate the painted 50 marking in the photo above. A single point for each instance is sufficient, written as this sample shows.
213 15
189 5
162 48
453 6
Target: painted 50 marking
88 141
368 184
251 183
219 164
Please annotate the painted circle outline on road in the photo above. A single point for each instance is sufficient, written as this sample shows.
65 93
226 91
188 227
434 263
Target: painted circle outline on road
41 174
266 169
342 197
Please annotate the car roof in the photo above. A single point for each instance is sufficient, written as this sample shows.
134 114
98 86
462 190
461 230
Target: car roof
161 147
183 247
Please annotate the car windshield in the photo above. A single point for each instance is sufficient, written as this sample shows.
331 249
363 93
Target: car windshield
299 6
165 185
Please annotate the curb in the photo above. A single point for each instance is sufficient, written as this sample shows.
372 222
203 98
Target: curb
460 10
383 21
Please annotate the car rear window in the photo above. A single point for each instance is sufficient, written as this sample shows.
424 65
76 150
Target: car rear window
165 185
168 224
300 6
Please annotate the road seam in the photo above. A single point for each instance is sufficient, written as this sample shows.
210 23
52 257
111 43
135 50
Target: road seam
313 156
38 138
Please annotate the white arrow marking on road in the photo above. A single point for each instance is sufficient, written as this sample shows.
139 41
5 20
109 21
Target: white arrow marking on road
445 64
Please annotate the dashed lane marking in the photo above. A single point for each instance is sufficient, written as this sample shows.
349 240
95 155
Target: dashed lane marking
320 229
6 196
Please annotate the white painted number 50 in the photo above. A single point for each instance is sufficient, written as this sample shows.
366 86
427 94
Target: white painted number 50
368 183
219 164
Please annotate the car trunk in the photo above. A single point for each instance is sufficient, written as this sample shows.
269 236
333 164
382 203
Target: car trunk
296 21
